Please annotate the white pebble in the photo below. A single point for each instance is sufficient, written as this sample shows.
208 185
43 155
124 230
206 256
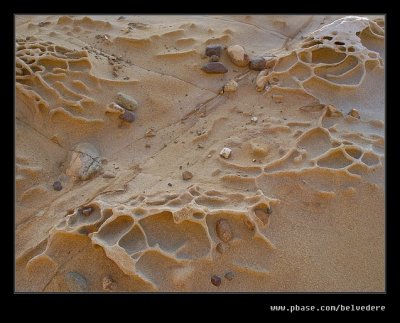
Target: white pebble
231 86
254 119
225 152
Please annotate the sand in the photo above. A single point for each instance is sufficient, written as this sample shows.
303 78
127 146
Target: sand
120 185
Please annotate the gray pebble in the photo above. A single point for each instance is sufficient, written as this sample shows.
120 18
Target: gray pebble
126 101
229 275
75 282
128 116
213 50
57 186
257 64
214 67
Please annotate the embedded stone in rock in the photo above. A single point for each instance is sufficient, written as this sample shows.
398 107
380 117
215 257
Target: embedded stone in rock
126 101
238 55
257 64
231 86
213 50
214 67
84 162
128 116
186 175
223 229
75 282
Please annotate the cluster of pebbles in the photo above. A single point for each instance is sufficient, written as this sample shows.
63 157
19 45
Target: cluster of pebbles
238 56
124 106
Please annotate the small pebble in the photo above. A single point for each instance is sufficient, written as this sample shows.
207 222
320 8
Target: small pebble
254 119
128 116
86 211
257 64
354 113
57 186
231 86
214 50
169 184
108 283
149 133
209 156
214 58
186 175
225 152
115 108
126 101
147 145
229 275
214 67
215 280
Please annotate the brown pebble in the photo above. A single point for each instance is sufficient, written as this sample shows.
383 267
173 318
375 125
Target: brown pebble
128 116
213 50
86 211
229 275
214 58
147 145
169 184
186 175
214 67
216 280
223 229
257 64
57 186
